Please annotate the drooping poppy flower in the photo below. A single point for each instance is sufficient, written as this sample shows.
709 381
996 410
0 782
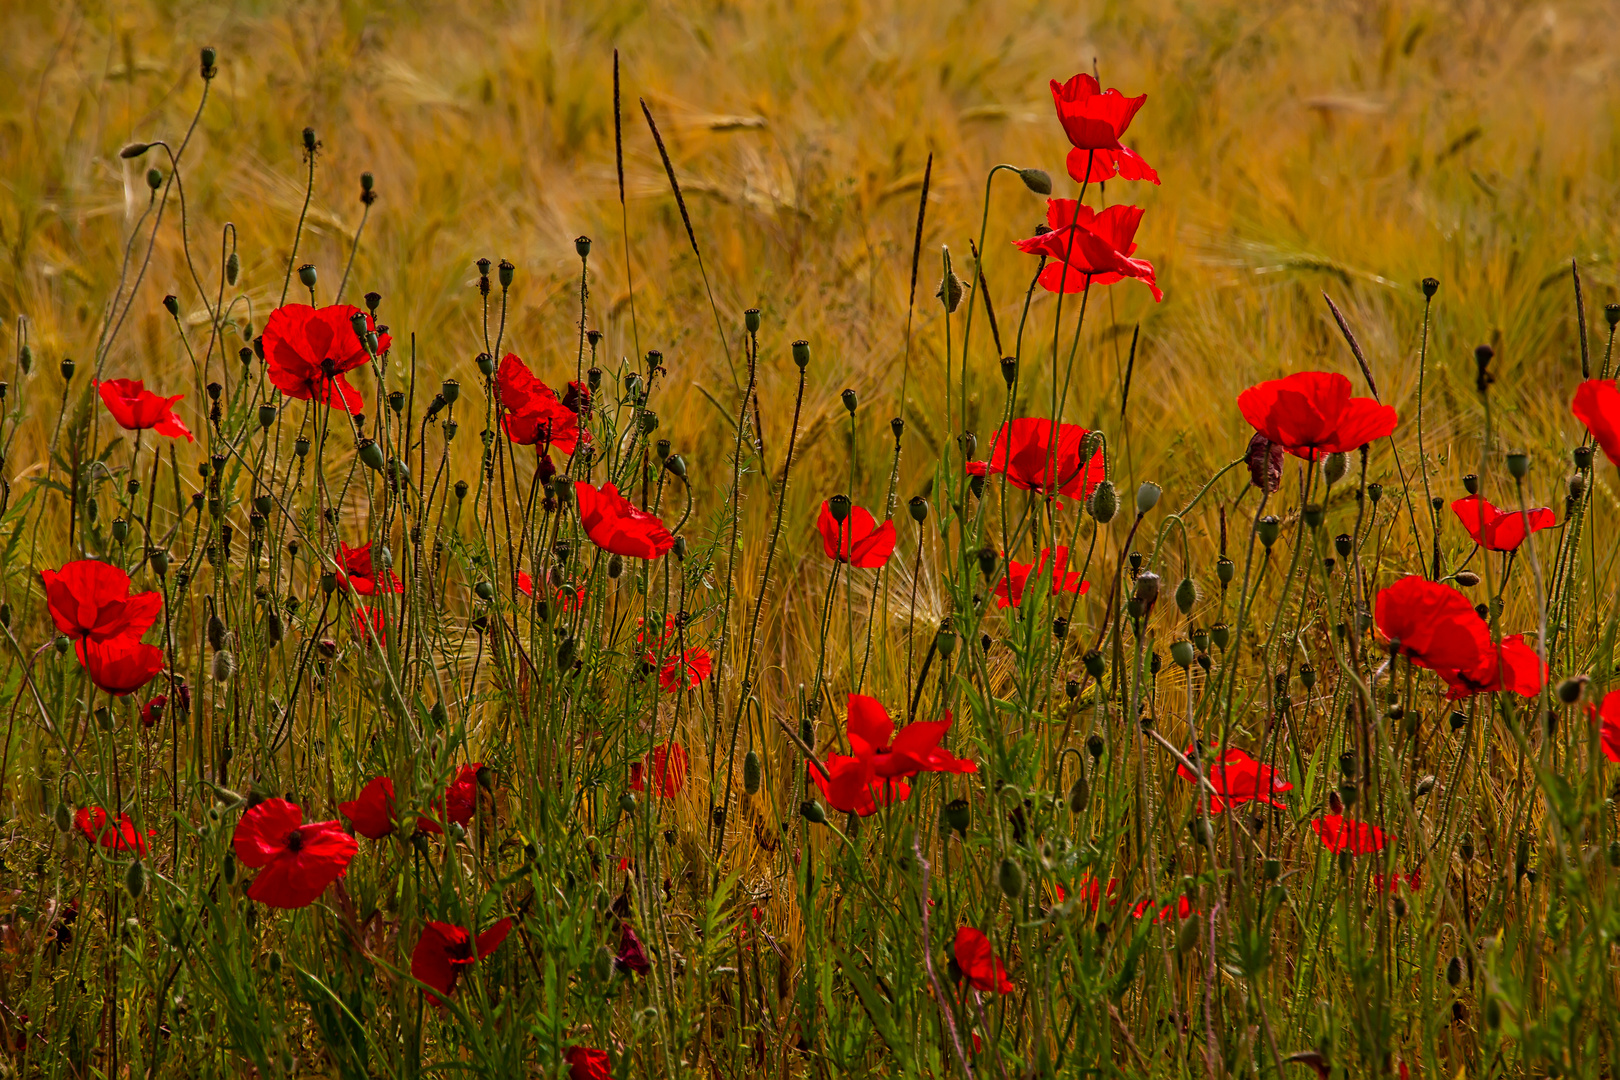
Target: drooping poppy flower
307 351
852 785
1511 666
977 962
370 622
152 711
616 526
1237 779
1500 530
296 862
357 571
669 765
1356 837
138 409
531 411
1437 628
1093 118
858 540
1086 247
372 812
1608 714
92 824
632 957
1597 405
1311 414
461 797
915 749
445 951
1022 452
120 665
1010 590
1124 163
587 1063
89 600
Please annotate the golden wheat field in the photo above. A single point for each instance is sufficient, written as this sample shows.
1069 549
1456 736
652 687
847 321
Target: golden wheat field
767 718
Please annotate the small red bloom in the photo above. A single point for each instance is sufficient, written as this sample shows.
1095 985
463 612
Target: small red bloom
858 540
669 765
586 1063
445 950
916 749
978 962
307 350
1311 414
1086 247
1124 163
152 711
615 526
686 668
632 958
1093 118
358 572
138 409
1597 405
122 665
1022 452
89 600
1238 779
533 415
372 811
461 798
1500 530
567 596
91 821
296 862
1181 908
1010 591
1393 882
1609 734
1356 837
369 621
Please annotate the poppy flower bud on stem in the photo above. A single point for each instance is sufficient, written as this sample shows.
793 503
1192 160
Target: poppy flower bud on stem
1186 595
1037 180
950 286
154 178
812 811
1334 466
134 150
1104 502
1010 876
1147 592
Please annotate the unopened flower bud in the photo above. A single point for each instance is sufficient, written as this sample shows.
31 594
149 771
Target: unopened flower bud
812 811
1104 502
1010 876
1147 592
1037 180
1186 595
1334 466
154 178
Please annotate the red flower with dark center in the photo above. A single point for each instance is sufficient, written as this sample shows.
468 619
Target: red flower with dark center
632 958
1022 452
915 749
1597 405
858 540
1093 118
1356 837
357 571
686 668
121 665
577 398
852 785
669 765
307 350
977 962
89 600
615 526
1010 591
1124 163
91 822
152 711
296 862
1500 530
138 409
586 1063
1086 247
445 951
372 812
461 797
1311 414
1237 779
532 413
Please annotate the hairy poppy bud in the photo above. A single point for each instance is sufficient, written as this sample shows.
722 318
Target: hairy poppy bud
1454 971
1424 786
1010 877
371 455
1104 502
1186 595
987 561
135 880
1037 180
64 818
627 802
615 566
752 774
1268 529
484 590
950 287
224 665
1147 592
134 150
1334 466
1147 496
1569 691
1079 794
811 810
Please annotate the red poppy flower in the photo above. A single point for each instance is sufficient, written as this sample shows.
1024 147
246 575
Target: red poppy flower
121 665
615 526
152 711
296 862
461 798
1093 118
1356 837
89 600
669 765
372 812
1510 666
307 350
1238 779
532 413
1393 882
1010 591
632 958
1311 414
1436 626
1597 405
1181 908
1124 163
445 951
359 573
91 822
1022 452
978 963
852 785
1500 530
686 668
637 783
568 597
138 409
915 749
586 1063
858 540
369 622
1086 247
1609 715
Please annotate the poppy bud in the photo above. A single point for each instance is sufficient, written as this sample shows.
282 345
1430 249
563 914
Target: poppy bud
154 178
1518 465
1454 971
66 367
1424 786
1147 592
987 561
1465 848
309 140
627 802
1147 496
64 818
439 714
134 150
615 566
1186 595
135 880
25 360
171 304
1334 466
1011 879
1037 180
1220 634
371 455
950 287
484 590
1104 502
159 560
228 870
1569 691
1375 491
1267 529
751 773
1577 487
945 639
1182 653
224 665
306 274
1458 721
812 812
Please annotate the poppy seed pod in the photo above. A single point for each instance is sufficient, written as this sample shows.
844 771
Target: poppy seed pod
1094 746
1221 635
751 320
649 422
812 811
1095 665
1147 592
461 489
267 416
1268 528
1104 502
627 802
1313 514
1569 691
158 558
1182 653
1009 369
839 506
1147 496
371 455
898 426
1334 466
987 561
120 530
1471 484
505 271
1186 596
66 367
850 400
1375 491
969 442
1200 639
307 275
64 817
1010 877
1430 286
752 772
945 639
958 815
1518 465
154 178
